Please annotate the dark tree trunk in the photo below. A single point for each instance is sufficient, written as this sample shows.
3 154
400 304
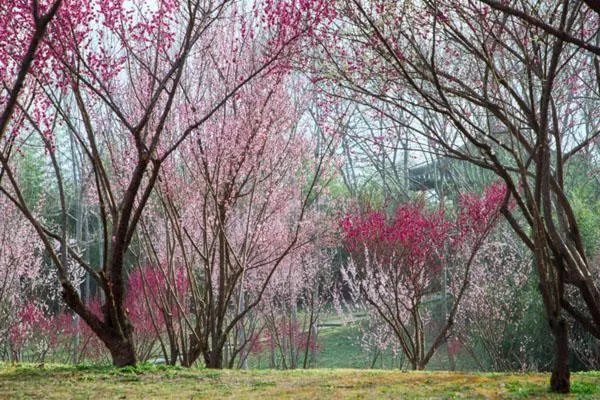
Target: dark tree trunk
560 381
190 357
117 337
174 353
214 358
173 343
122 351
417 365
194 350
551 274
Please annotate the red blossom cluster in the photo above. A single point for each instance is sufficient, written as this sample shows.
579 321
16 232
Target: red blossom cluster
412 237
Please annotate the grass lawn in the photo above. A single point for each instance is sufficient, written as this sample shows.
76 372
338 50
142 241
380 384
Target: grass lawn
148 382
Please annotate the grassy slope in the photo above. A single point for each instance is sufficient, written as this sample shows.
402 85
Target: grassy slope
61 382
339 349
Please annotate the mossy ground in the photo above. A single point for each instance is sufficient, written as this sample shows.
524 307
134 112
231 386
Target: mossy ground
19 381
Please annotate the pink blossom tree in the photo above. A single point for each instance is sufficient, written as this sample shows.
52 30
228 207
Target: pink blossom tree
302 284
374 336
22 22
20 269
237 202
492 306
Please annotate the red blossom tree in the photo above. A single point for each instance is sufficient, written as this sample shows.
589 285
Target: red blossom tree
397 261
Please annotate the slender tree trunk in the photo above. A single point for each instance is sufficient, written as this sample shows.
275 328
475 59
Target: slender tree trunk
174 347
294 348
451 362
272 363
552 288
310 331
560 380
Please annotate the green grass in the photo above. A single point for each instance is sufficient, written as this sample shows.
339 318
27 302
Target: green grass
24 381
338 350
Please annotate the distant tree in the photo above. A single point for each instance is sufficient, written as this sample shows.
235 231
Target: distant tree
397 262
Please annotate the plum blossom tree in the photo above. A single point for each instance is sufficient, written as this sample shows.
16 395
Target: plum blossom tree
302 283
236 201
494 306
396 263
374 335
20 264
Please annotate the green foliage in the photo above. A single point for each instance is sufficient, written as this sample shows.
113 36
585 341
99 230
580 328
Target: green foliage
587 213
584 195
31 177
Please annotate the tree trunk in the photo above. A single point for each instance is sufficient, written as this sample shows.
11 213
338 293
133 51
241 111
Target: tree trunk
174 348
214 359
451 361
194 349
560 380
190 357
122 351
551 274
